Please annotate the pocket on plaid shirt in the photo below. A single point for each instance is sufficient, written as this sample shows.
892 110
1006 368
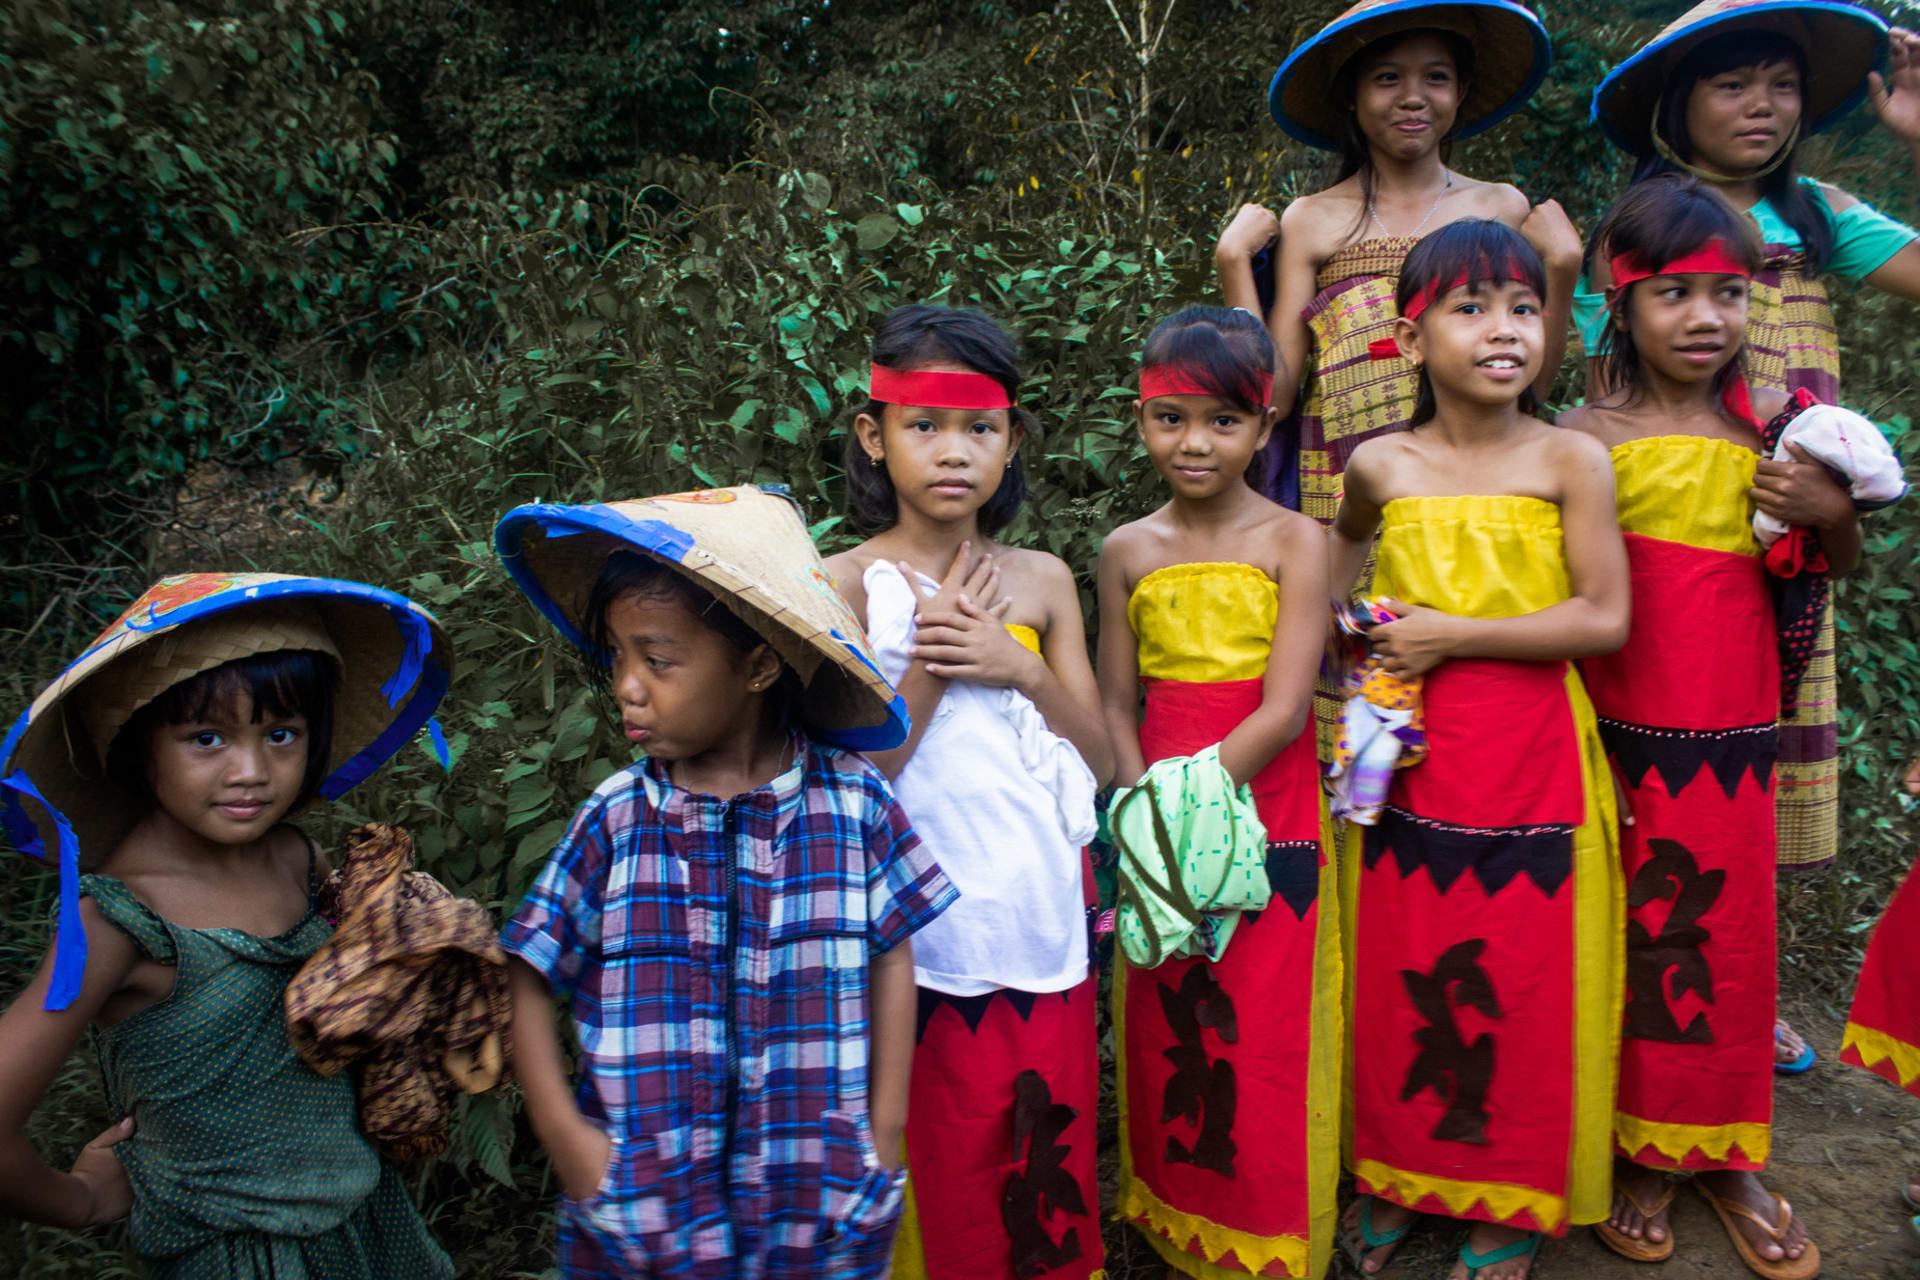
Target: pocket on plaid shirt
860 1201
638 1213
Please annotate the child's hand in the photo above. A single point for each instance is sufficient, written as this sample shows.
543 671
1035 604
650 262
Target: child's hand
1415 642
968 578
109 1194
1252 229
583 1162
1896 95
1801 492
1552 235
972 643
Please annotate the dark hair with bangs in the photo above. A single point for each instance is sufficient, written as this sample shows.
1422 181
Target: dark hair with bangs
1476 252
912 335
1736 51
630 574
1356 155
284 682
1224 349
1666 217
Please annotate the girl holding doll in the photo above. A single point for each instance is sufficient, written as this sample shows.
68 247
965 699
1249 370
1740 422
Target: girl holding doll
986 645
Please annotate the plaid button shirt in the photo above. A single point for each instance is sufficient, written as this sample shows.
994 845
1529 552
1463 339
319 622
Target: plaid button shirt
715 956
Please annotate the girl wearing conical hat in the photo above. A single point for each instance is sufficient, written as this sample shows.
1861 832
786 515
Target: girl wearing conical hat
1389 86
728 918
159 771
1726 93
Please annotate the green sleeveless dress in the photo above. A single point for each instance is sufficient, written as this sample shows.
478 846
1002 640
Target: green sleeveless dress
245 1163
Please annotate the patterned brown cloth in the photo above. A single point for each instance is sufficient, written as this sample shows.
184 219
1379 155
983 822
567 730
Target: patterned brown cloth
411 988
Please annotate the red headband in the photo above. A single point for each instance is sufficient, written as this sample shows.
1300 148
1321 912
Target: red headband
1715 257
1178 380
929 389
1433 291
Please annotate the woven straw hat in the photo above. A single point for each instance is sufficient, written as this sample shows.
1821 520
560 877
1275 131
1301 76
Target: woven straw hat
749 547
1511 58
394 660
1842 42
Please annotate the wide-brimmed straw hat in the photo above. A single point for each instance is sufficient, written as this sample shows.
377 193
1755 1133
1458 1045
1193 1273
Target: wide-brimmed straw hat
394 665
1510 49
749 547
1842 43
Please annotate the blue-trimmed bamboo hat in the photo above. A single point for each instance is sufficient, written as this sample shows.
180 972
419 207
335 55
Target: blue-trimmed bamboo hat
1842 43
1511 57
394 664
748 547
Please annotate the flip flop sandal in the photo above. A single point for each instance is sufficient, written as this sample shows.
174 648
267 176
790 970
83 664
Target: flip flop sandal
1800 1065
1640 1250
1804 1267
1357 1250
1529 1245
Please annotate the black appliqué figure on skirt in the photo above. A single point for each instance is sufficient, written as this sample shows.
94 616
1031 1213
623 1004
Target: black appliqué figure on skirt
1201 1090
1670 873
1044 1187
1459 1073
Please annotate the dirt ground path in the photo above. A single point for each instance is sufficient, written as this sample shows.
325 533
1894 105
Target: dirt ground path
1844 1142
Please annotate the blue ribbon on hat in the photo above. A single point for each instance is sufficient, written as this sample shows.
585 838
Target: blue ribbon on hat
70 941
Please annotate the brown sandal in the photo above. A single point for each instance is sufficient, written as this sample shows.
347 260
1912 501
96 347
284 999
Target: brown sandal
1640 1250
1804 1267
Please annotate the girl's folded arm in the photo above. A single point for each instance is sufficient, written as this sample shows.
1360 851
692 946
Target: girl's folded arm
1119 675
1065 691
1299 638
580 1152
1351 535
35 1043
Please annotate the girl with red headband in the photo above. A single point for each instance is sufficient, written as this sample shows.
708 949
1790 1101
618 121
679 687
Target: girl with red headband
1214 609
1482 910
986 644
1694 742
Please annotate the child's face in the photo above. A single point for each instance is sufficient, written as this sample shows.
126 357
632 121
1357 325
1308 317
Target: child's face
682 689
1481 342
1686 327
228 777
1739 119
1201 444
944 463
1406 99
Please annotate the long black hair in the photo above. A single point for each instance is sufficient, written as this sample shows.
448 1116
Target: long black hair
282 683
1355 153
911 335
1667 216
1224 349
1782 188
1471 252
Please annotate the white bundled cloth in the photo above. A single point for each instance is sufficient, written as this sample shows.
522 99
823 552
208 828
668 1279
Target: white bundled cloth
1005 805
1850 444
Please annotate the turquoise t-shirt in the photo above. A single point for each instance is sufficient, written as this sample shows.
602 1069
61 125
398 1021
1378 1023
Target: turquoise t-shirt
1863 240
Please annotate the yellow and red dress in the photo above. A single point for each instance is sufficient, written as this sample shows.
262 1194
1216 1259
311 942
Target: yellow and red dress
1883 1028
1688 711
1228 1072
1482 913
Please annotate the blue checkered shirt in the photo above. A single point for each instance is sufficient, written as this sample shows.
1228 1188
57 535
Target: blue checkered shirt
715 956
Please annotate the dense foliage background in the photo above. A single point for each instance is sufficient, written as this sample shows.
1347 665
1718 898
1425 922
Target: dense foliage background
327 287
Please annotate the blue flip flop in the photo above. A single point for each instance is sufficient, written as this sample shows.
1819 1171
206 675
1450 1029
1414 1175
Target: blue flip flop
1529 1245
1800 1065
1371 1239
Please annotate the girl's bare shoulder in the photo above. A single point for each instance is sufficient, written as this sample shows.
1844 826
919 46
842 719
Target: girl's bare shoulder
1322 220
1602 422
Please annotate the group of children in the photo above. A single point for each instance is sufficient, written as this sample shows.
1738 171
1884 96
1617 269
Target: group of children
826 946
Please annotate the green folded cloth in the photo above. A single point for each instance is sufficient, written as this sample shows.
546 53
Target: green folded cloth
1193 856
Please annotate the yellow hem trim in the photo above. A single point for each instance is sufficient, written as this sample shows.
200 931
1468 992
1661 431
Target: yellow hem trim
1254 1253
1675 1141
1875 1047
1505 1200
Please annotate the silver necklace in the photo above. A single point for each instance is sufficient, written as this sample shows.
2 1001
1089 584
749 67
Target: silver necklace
1415 233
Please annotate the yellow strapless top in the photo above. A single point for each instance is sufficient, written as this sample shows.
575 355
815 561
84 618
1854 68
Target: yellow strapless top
1687 489
1204 622
1025 635
1478 556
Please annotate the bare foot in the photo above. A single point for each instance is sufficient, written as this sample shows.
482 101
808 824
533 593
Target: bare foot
1387 1217
1787 1044
1485 1238
1632 1183
1745 1189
